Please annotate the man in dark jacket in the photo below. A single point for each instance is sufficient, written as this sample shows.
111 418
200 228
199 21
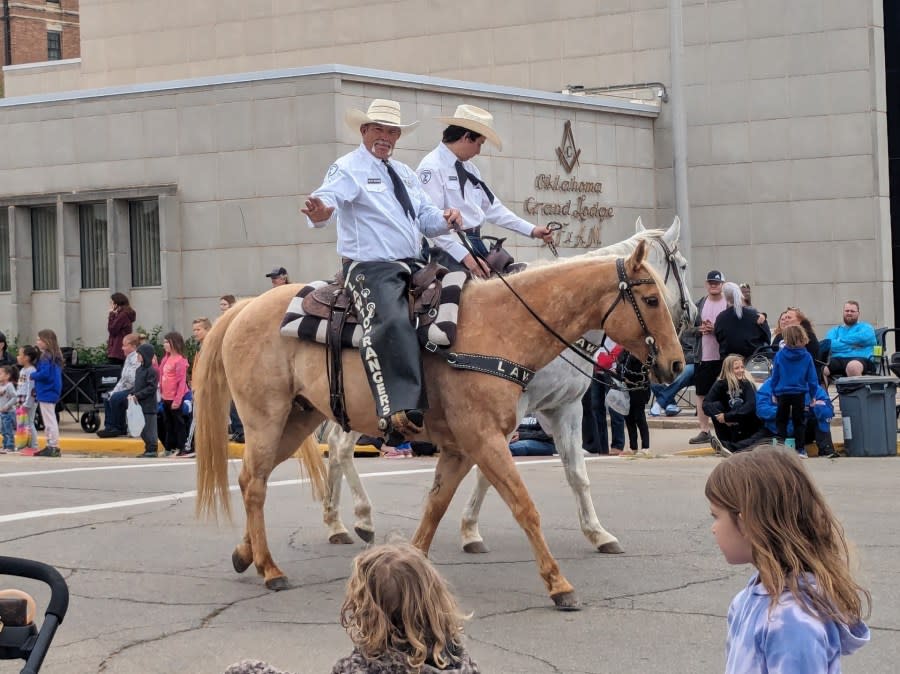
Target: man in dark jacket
146 382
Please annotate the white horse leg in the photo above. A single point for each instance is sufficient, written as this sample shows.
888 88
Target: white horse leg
565 424
340 464
471 538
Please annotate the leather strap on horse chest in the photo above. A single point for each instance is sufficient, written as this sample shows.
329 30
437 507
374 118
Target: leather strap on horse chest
492 365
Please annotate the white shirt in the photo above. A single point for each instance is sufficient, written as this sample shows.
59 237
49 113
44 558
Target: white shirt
371 224
437 173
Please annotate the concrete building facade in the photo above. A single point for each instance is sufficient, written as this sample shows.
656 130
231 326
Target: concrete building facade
786 106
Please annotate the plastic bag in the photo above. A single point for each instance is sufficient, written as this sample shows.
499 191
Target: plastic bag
23 432
618 401
134 417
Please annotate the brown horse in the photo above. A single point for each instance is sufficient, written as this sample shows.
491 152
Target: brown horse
281 392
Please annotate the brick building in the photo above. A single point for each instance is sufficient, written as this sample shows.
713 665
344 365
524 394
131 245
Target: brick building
33 31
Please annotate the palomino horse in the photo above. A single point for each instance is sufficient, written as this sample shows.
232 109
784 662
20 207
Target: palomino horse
285 395
555 393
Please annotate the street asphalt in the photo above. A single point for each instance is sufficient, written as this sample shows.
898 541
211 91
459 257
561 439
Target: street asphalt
153 591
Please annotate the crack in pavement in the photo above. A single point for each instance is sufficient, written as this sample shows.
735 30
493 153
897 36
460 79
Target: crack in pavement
553 668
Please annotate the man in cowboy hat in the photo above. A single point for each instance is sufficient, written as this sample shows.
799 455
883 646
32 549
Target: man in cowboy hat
381 214
452 181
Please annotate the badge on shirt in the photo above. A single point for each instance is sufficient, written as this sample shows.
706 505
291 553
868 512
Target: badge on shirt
374 185
332 170
425 176
374 181
453 178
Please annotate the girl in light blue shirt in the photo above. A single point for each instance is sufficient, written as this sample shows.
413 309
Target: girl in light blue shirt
802 609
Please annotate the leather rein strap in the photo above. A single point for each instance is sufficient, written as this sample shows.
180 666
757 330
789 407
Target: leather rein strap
625 293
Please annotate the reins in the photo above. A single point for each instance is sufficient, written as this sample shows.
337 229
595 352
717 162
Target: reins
625 293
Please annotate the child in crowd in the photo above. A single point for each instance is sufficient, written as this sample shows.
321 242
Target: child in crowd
632 371
173 387
146 384
802 609
9 377
793 376
47 379
400 615
28 356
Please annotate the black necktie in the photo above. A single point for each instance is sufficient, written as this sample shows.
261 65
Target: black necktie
400 191
465 175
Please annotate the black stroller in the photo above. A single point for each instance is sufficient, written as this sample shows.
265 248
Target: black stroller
20 639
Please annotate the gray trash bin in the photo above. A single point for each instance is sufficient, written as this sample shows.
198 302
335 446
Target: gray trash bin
868 410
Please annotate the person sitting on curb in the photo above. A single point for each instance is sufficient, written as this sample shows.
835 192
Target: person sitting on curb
115 405
731 405
530 439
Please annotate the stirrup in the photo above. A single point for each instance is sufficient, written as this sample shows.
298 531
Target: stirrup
401 424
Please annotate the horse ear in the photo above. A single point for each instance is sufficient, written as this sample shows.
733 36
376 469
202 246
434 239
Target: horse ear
674 231
636 259
639 226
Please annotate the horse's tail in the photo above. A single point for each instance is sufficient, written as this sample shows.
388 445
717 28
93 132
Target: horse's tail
311 458
211 398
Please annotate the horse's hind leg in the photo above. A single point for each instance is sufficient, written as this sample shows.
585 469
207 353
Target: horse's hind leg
565 424
258 465
472 541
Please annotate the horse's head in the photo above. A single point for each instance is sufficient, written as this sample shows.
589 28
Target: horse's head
665 257
639 318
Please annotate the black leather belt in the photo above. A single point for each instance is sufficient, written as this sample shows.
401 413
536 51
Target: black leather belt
474 230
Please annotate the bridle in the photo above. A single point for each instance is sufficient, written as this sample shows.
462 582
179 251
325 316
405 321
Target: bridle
626 294
672 268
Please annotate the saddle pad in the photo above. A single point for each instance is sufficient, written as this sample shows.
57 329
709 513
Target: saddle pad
441 331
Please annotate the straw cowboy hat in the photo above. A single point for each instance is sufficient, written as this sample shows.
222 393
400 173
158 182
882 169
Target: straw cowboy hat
381 111
474 119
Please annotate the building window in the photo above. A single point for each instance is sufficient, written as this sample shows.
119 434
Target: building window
43 248
94 249
54 45
143 221
4 251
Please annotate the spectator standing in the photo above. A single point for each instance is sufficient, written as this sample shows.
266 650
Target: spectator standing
793 377
226 302
707 360
116 404
146 385
6 358
28 356
594 428
48 388
731 406
802 609
737 328
278 276
638 397
761 317
9 377
852 345
819 414
120 322
173 387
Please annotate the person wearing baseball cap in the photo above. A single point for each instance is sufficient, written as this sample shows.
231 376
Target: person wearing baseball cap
707 361
450 178
279 276
381 214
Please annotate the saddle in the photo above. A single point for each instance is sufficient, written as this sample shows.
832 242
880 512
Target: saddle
499 259
333 299
334 305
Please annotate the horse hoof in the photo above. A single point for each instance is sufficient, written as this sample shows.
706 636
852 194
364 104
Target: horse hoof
475 547
342 538
566 601
278 583
611 548
238 562
366 535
